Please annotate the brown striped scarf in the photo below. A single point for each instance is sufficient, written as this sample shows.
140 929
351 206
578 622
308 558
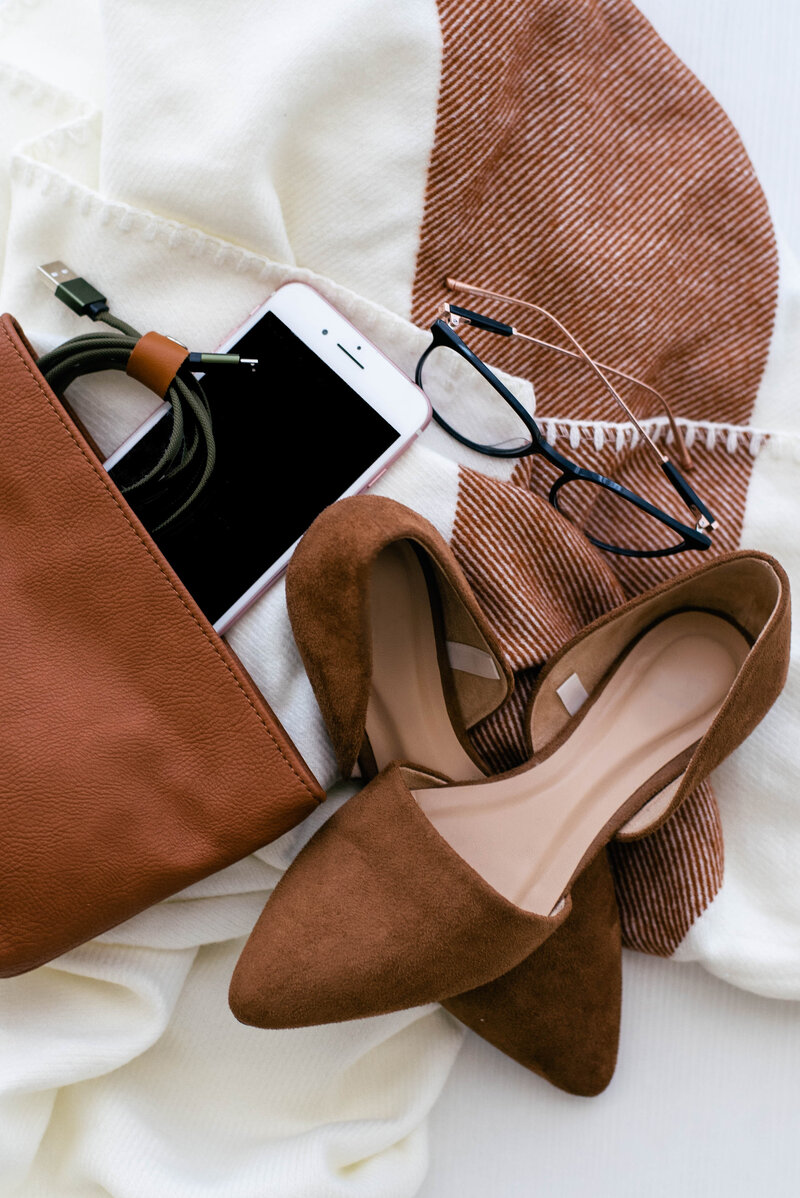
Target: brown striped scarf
579 164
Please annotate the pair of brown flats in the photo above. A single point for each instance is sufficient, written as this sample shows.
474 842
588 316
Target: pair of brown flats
493 895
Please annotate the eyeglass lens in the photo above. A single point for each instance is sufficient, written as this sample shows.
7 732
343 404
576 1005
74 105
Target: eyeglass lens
470 404
607 517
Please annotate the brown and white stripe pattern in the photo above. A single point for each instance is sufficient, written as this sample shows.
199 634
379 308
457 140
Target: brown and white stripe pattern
577 163
670 877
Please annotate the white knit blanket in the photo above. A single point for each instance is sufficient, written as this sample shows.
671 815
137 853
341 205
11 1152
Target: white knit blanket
188 158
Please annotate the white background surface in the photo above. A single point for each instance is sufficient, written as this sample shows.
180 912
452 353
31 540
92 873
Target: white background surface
706 1097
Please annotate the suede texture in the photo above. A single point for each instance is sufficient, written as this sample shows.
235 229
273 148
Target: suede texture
558 1011
350 931
538 1014
327 596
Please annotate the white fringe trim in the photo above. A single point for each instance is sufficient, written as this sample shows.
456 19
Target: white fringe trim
603 434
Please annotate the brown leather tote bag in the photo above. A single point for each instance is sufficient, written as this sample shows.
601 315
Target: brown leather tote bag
136 755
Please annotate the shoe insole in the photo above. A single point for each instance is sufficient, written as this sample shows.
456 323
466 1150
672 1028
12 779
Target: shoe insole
407 716
526 833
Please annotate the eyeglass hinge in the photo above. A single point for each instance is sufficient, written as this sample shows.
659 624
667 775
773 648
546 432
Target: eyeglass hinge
703 522
454 315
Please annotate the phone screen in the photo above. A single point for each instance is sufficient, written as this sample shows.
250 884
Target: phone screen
290 437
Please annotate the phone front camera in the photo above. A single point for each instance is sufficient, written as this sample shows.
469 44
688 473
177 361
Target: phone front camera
325 332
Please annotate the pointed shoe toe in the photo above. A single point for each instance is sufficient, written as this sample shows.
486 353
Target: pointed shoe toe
376 914
557 1013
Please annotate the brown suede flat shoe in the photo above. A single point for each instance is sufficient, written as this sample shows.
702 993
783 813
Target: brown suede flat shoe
402 662
418 890
393 639
427 668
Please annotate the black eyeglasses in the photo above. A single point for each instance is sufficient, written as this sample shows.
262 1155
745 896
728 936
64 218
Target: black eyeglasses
494 421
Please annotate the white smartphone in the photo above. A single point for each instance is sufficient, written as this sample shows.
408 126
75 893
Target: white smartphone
322 417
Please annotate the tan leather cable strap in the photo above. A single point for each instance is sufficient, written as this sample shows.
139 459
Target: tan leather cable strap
155 360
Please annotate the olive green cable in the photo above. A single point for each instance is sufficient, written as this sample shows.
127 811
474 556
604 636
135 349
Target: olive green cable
192 431
95 352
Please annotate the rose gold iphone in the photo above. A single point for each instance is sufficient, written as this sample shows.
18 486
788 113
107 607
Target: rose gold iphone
322 417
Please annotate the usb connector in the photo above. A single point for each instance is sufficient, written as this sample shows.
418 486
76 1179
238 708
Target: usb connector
72 290
198 362
86 300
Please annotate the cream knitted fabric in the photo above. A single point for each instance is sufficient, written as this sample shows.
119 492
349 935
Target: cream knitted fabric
188 159
122 1070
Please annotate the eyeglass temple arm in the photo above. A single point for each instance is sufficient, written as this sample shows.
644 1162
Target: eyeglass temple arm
705 519
494 326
